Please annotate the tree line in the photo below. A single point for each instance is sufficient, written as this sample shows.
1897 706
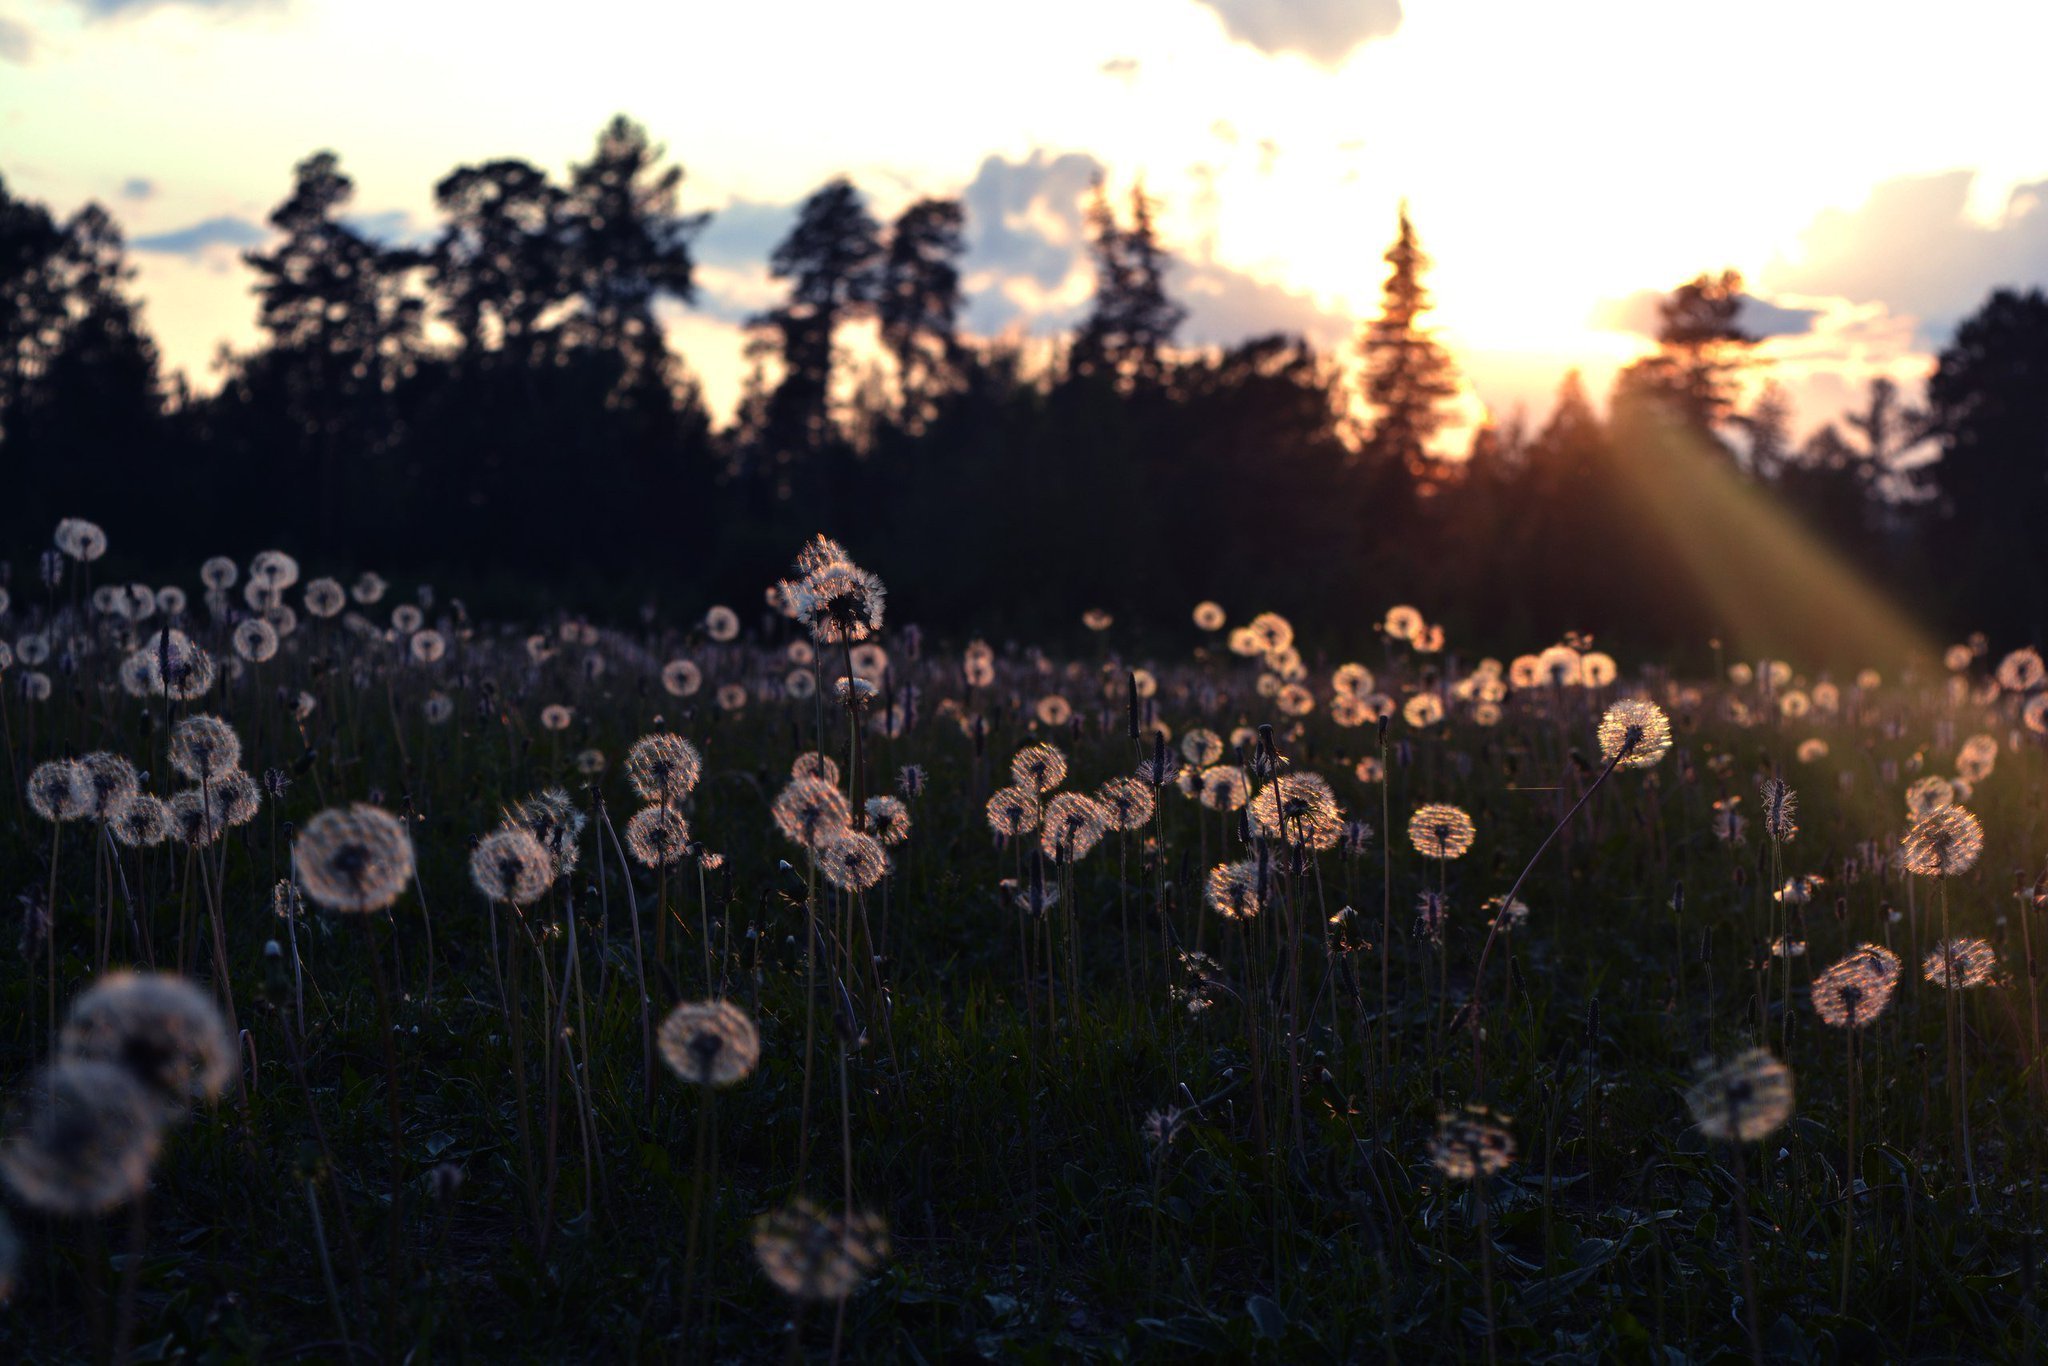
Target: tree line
500 408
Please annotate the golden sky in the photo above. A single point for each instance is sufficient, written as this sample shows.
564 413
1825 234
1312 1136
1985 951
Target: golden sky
1872 168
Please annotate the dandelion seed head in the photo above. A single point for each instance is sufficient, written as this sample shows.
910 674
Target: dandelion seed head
710 1043
353 859
1943 843
811 811
663 768
1958 964
160 1028
1742 1099
811 1255
1439 830
1634 733
1471 1144
658 837
81 1138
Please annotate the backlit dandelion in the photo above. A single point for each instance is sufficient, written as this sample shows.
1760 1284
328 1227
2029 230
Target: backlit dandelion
839 603
1232 890
811 1255
256 640
658 837
810 811
888 819
709 1043
1439 830
1128 803
81 1138
1224 787
1013 811
1942 843
1855 991
1960 963
663 768
142 822
852 861
815 765
1209 616
356 858
681 677
2022 671
1071 827
1298 809
204 746
324 598
508 865
1471 1144
1745 1098
161 1029
1039 767
556 824
111 782
555 717
1634 733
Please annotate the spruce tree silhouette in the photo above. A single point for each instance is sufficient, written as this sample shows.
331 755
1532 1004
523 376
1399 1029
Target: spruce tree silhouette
1409 376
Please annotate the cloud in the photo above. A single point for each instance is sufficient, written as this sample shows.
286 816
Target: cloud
203 237
1913 246
744 232
1123 69
17 42
138 188
1027 242
1226 306
1324 31
1637 314
121 9
392 227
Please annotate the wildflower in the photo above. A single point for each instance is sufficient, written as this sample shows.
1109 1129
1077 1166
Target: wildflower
555 717
811 1255
1439 830
1508 915
1209 616
81 1138
164 1031
838 602
711 1043
910 780
1161 1127
1128 803
1742 1099
1634 734
1780 807
1431 917
355 858
1469 1145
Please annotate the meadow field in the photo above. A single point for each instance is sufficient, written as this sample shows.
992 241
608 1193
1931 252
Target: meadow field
786 983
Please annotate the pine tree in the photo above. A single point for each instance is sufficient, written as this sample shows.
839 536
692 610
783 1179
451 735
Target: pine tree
1126 333
1409 376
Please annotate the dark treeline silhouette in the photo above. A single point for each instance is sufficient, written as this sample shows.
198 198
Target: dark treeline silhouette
500 409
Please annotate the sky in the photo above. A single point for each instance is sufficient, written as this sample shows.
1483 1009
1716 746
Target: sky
1866 165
